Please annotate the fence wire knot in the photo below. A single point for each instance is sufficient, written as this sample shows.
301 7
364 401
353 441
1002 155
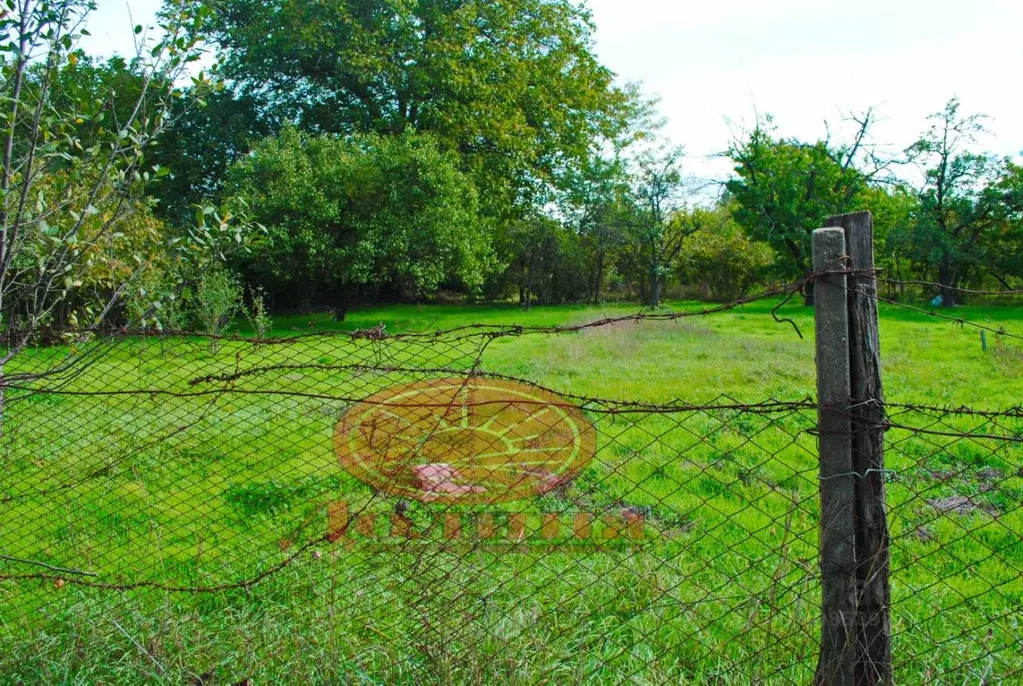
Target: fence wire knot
888 475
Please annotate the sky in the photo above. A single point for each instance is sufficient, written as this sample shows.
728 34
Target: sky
716 63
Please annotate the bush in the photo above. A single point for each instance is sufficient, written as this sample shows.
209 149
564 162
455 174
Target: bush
725 264
218 298
156 300
258 312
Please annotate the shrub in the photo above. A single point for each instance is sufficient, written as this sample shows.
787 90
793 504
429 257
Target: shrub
218 298
258 312
726 262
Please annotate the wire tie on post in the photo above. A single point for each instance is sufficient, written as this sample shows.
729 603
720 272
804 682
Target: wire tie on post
887 474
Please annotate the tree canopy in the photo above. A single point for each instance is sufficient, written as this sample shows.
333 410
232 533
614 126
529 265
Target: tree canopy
361 212
513 88
395 148
957 206
783 189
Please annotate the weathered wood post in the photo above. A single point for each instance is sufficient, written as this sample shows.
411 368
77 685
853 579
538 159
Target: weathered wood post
837 490
868 422
856 647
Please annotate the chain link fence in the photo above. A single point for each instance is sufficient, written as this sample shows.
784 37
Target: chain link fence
385 508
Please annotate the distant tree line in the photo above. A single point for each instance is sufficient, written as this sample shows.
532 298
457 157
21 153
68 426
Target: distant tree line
347 150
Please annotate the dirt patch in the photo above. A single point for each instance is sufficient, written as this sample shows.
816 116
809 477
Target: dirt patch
959 504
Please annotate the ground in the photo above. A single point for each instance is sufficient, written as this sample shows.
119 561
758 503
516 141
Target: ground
187 489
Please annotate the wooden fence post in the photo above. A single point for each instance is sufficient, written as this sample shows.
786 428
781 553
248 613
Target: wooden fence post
837 664
854 545
873 631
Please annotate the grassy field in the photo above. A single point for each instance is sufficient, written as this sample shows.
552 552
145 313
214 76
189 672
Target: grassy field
197 484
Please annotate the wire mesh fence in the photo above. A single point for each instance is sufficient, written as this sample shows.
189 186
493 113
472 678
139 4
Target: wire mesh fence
385 508
955 512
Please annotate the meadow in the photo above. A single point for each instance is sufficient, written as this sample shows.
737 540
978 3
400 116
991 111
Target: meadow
207 464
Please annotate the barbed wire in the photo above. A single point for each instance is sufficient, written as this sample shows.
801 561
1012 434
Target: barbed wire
379 333
961 321
937 286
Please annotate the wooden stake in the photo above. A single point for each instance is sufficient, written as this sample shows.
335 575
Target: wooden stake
837 487
873 631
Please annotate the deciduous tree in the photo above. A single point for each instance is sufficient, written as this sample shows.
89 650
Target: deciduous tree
346 214
660 225
782 189
76 227
512 87
958 211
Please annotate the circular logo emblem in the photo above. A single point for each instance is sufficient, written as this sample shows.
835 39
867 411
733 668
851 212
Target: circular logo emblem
465 441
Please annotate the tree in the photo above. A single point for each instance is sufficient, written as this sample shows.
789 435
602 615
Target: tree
545 261
958 211
74 164
512 87
76 227
595 195
722 258
361 212
783 189
212 129
660 226
596 199
115 85
1005 261
207 128
894 207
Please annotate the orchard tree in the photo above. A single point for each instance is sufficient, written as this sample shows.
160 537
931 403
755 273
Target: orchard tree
782 189
596 206
74 164
1006 250
722 259
596 199
894 207
350 214
546 260
77 231
208 128
660 225
958 212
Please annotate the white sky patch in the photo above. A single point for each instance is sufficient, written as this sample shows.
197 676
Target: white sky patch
804 61
112 25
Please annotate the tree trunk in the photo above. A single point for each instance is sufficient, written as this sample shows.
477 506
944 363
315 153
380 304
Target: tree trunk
900 288
808 294
598 279
3 399
340 302
527 275
655 287
946 277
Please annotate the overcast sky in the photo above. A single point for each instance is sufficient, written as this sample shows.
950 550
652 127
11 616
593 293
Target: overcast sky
804 61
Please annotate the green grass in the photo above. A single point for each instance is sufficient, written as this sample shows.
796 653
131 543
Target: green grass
199 490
